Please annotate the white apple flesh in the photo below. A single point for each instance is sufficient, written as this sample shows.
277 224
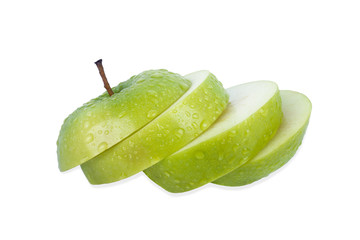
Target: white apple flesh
297 109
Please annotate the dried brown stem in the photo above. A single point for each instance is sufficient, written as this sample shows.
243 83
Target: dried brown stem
103 76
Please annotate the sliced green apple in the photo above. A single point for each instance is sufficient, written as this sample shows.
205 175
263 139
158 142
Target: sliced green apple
246 126
105 121
296 108
185 120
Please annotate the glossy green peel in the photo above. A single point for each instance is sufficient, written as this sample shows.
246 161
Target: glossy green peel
185 120
105 121
246 126
297 109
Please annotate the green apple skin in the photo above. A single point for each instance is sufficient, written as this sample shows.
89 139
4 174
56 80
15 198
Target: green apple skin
104 121
208 160
297 110
185 120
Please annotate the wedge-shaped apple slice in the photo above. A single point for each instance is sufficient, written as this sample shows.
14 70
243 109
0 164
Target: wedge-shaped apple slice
185 120
106 120
296 108
246 126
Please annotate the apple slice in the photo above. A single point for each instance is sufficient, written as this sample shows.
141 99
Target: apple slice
246 126
185 120
296 108
106 120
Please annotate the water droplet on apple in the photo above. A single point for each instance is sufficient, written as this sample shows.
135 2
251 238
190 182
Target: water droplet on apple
102 146
121 114
106 132
152 93
167 174
89 138
179 132
232 133
86 124
203 125
195 116
151 114
236 147
245 151
199 155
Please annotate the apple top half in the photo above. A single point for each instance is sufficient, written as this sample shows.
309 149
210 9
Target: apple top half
106 120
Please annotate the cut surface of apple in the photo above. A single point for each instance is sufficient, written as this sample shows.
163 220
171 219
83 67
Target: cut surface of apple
106 120
185 120
297 109
246 126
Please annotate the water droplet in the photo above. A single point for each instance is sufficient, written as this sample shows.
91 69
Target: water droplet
236 147
100 132
167 174
245 151
232 133
89 138
187 114
199 155
179 132
106 132
174 111
203 125
151 114
86 124
102 146
195 116
152 93
131 143
192 106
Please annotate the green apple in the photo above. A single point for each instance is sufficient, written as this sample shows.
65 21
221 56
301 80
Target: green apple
106 120
185 120
296 108
246 126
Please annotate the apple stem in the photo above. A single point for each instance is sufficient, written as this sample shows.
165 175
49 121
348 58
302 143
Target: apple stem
103 76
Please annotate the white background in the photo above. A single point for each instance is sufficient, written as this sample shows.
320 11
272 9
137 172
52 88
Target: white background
47 54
